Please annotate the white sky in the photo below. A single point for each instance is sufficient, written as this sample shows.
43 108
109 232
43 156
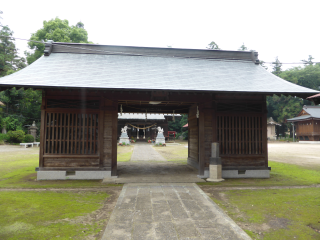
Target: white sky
287 29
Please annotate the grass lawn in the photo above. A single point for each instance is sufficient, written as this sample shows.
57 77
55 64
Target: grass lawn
282 174
48 215
274 214
176 153
124 153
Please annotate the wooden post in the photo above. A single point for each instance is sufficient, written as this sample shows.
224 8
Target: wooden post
201 141
43 127
114 139
101 132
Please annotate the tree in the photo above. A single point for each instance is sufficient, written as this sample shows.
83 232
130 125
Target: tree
213 45
276 69
309 61
9 59
57 30
243 48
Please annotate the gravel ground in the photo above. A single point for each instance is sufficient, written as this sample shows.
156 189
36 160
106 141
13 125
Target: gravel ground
295 153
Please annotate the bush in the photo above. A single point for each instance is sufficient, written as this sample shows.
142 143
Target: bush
16 136
28 138
3 137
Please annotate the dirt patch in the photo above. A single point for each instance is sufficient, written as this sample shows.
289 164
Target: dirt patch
307 155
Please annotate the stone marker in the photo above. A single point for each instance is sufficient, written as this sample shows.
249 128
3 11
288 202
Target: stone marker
215 168
33 130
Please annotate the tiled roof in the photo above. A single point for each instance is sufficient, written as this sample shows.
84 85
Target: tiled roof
151 72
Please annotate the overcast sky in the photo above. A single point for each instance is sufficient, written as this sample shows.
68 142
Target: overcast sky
287 29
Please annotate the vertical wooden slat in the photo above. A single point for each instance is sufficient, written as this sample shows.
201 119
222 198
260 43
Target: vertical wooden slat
49 133
68 133
222 135
237 134
72 137
83 123
52 133
76 137
256 135
94 119
56 132
65 133
249 132
60 138
87 137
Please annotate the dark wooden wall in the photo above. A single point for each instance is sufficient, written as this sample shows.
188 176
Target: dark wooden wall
78 131
238 123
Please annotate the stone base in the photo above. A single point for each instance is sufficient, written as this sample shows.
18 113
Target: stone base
214 180
76 175
124 139
246 173
160 140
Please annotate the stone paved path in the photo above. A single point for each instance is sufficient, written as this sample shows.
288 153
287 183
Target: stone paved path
144 152
169 211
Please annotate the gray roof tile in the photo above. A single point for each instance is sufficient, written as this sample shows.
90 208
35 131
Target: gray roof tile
149 73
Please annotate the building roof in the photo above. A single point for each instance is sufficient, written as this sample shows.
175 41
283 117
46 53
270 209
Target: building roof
141 68
313 113
272 122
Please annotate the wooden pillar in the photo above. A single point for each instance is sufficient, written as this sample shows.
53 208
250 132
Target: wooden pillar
101 133
42 130
201 141
114 139
264 132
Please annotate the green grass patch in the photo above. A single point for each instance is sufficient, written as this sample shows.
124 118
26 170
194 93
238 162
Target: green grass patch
289 213
124 153
17 170
46 215
173 153
282 174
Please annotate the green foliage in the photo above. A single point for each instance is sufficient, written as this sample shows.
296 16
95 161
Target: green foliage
28 138
213 45
57 30
22 108
307 76
3 137
9 58
16 136
276 69
309 61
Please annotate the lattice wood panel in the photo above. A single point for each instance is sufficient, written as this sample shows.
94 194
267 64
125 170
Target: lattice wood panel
239 135
71 133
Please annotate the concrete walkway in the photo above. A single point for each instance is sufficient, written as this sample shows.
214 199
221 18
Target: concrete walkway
169 211
144 152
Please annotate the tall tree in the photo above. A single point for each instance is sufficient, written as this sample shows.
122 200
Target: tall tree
276 69
309 61
213 45
9 59
57 30
243 48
